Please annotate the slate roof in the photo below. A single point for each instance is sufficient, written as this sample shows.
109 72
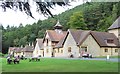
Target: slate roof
115 25
16 49
54 36
100 37
28 49
78 35
60 43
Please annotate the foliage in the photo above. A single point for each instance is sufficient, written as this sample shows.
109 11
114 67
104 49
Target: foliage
1 54
77 21
42 6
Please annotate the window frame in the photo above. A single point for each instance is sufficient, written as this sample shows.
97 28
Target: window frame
116 51
84 48
105 50
69 49
47 51
61 51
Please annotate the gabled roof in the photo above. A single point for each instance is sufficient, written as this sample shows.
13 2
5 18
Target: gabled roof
61 42
18 50
40 43
54 36
15 49
115 25
78 35
28 49
11 48
100 37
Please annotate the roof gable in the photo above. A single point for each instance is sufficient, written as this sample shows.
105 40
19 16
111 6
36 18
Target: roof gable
40 42
116 24
101 38
81 35
78 35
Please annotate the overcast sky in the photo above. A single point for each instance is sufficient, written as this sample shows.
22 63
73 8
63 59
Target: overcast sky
14 18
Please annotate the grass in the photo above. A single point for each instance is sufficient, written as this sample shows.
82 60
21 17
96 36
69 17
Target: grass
60 65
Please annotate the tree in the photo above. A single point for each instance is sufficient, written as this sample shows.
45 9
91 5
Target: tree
77 21
0 40
41 34
23 41
16 42
32 38
42 6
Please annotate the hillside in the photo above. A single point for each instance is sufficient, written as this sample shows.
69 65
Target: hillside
94 16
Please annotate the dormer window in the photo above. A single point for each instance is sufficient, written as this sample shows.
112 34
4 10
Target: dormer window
110 40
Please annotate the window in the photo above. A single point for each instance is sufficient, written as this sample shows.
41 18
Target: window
116 50
84 49
110 41
69 49
61 51
106 50
47 51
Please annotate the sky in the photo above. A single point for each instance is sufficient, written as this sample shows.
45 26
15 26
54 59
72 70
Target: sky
14 18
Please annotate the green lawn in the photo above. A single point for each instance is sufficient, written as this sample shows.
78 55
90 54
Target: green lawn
60 65
110 57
